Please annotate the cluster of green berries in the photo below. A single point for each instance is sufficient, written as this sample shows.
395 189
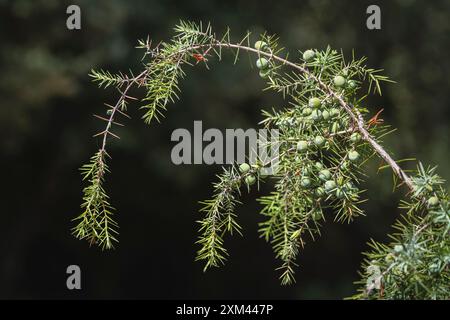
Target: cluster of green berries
303 145
315 111
262 63
341 81
250 178
324 182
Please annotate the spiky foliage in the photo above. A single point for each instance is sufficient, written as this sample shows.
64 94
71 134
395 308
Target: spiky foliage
415 265
96 223
219 218
324 141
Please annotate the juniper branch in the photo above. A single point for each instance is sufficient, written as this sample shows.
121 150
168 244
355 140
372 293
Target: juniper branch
297 205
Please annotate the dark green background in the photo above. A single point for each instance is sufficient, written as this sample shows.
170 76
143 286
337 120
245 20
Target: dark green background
46 124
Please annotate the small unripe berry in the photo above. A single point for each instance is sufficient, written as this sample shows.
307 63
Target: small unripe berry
355 137
434 268
318 165
320 191
308 55
314 102
325 115
263 173
325 175
349 186
330 185
262 63
302 145
244 167
306 112
339 193
319 141
389 258
334 112
353 155
306 170
398 248
339 81
433 201
264 74
316 115
352 84
305 182
250 180
260 45
316 215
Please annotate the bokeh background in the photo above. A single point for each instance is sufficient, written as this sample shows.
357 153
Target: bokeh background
46 128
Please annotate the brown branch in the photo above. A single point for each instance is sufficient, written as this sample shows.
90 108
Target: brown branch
354 114
116 108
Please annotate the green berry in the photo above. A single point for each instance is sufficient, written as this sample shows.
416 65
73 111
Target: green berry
320 191
339 81
330 185
262 173
260 45
316 215
250 180
314 102
244 167
264 74
319 141
352 84
316 115
325 115
302 145
340 193
434 268
433 201
334 112
306 112
306 170
318 165
355 137
389 258
349 186
353 155
305 182
325 175
262 63
308 55
398 248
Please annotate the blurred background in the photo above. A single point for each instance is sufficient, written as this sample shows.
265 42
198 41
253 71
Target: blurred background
46 128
